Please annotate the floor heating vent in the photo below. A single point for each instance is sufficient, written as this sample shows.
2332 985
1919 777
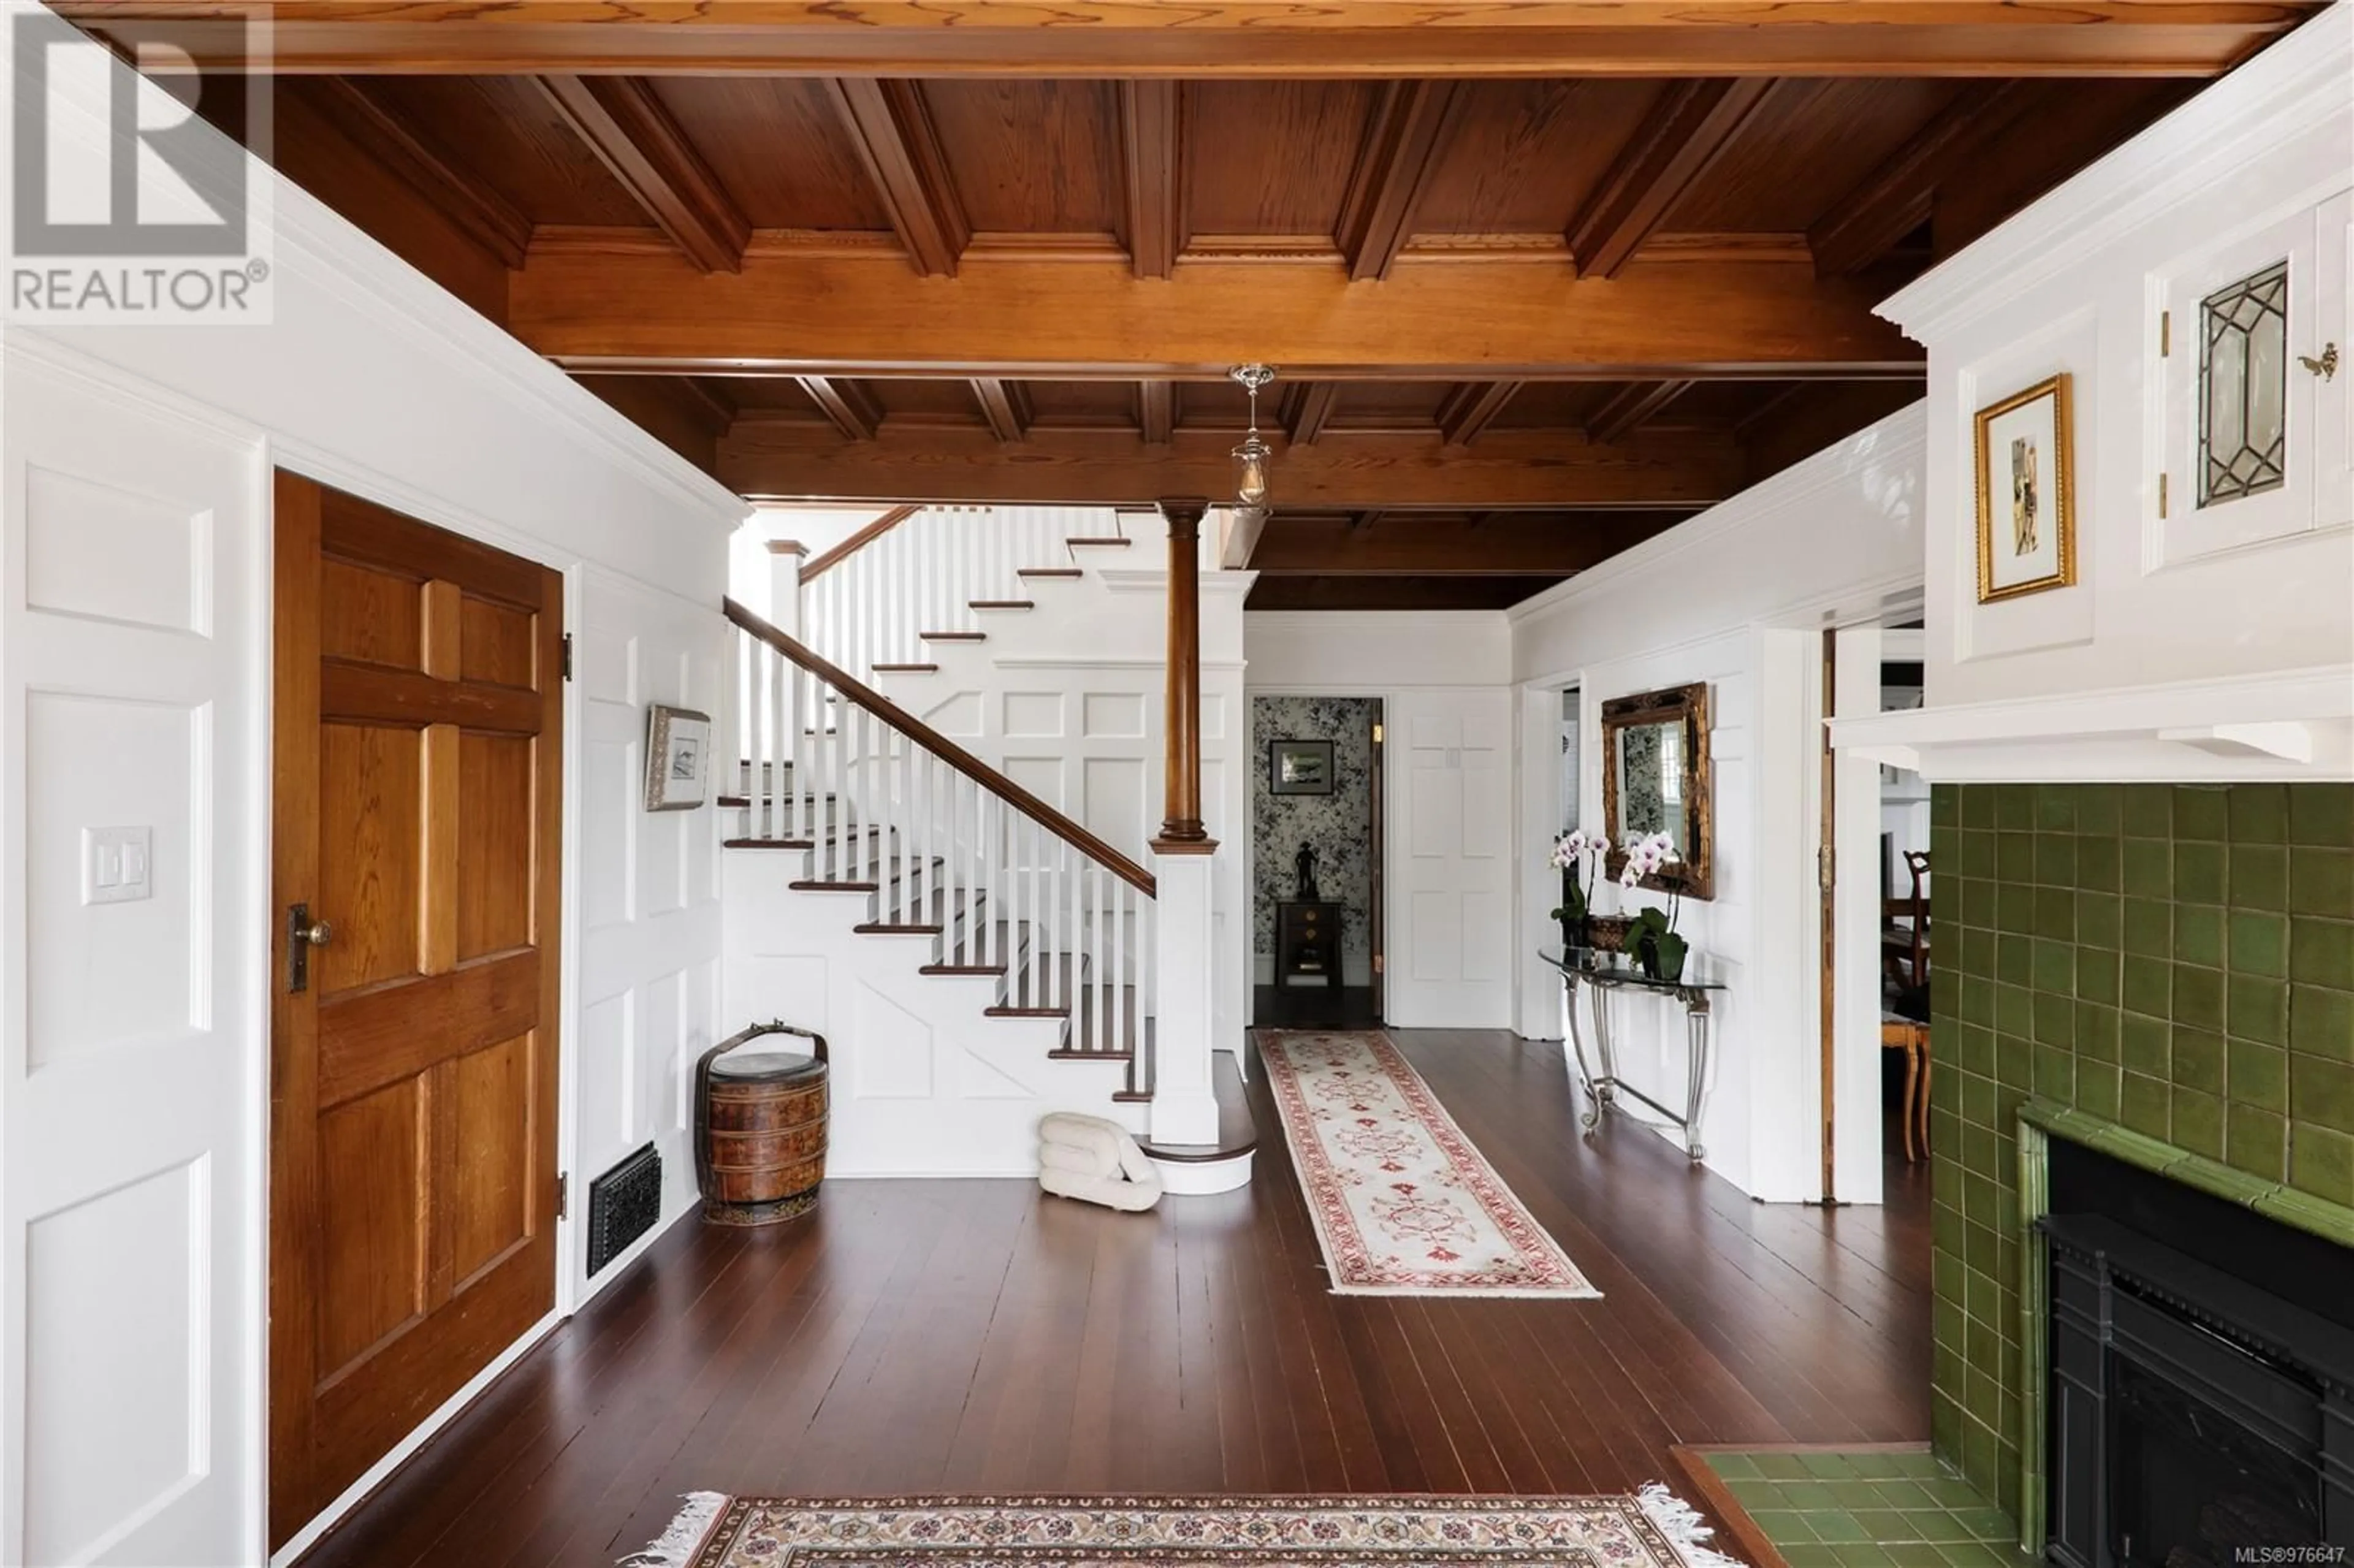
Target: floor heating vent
623 1205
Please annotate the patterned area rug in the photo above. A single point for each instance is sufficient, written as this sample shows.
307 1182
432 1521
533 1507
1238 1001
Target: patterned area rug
1654 1529
1403 1204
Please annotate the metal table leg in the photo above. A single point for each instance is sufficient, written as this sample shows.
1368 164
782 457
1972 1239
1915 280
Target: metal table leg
1696 1083
1590 1118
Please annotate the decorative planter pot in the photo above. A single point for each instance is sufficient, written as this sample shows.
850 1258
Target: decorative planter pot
1608 933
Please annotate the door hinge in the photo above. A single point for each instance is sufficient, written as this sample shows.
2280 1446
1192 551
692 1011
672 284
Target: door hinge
1377 963
1377 735
2161 496
567 656
1826 864
2165 333
563 1194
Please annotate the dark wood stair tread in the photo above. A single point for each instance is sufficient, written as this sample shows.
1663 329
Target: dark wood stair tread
1000 604
915 669
1098 540
769 844
1237 1133
1050 572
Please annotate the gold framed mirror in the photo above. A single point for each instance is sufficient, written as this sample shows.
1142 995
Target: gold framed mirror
1656 778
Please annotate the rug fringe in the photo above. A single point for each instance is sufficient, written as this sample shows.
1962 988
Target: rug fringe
1682 1523
676 1546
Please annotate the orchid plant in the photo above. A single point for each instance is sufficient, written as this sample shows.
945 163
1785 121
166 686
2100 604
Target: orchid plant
1658 946
1579 857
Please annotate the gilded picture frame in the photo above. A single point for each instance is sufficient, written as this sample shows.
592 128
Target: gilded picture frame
2026 504
1683 711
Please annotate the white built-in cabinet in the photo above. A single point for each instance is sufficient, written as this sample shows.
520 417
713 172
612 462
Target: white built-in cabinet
2251 376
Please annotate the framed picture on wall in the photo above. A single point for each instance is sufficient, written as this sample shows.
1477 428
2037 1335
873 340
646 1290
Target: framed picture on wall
678 759
1299 767
2027 507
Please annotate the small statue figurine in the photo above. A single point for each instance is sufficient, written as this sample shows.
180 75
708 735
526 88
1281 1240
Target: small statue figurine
1305 867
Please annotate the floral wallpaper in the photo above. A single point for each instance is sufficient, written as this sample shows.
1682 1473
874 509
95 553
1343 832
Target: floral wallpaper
1338 826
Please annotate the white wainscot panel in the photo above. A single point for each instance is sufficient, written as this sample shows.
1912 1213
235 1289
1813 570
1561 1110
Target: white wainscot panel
607 667
1435 928
1042 776
1033 715
117 1386
894 1048
659 1029
1112 800
697 1034
770 986
1113 715
1214 715
957 716
97 550
1435 827
611 794
104 762
606 1050
664 839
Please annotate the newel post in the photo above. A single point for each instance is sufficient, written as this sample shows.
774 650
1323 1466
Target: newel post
1184 1105
785 557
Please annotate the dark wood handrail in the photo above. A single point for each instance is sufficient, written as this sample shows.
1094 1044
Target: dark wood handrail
948 751
825 560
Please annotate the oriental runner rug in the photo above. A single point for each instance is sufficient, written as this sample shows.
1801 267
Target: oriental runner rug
1653 1529
1403 1205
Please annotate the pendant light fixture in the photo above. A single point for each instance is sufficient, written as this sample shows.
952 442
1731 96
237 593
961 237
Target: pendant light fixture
1251 457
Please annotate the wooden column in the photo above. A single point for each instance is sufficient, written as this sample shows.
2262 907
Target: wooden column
1180 827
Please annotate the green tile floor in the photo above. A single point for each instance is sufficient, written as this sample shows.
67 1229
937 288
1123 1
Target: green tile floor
1824 1509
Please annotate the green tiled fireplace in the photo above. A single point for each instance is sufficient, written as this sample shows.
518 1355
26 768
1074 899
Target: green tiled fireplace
2175 959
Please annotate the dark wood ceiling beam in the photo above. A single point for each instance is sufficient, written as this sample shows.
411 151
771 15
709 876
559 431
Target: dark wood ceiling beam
1306 408
1409 125
1225 38
805 461
1156 410
1689 129
1517 543
1894 199
1471 407
892 130
712 397
1420 593
1005 405
1243 533
849 405
1152 150
1043 320
1632 409
487 217
633 135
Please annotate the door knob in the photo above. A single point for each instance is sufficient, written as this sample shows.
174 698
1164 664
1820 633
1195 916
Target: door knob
302 934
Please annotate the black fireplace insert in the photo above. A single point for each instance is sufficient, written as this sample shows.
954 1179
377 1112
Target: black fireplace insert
2201 1394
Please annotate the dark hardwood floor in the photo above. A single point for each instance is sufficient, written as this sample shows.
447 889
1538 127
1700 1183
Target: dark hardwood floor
1315 1007
974 1336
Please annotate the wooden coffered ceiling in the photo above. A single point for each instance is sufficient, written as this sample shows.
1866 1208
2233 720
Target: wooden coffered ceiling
1539 277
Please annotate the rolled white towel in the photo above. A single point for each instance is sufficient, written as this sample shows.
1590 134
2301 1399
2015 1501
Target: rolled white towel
1077 1161
1093 1134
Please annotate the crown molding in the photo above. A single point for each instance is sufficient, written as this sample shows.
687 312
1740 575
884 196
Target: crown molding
2296 84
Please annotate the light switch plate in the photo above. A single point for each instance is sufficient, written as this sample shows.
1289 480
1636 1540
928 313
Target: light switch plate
117 865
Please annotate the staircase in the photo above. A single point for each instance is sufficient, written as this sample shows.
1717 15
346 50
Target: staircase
891 600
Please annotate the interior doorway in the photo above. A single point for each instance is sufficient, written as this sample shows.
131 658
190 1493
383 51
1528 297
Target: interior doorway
417 833
1317 896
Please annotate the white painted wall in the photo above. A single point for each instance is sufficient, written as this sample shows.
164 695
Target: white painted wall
2253 168
1736 598
134 681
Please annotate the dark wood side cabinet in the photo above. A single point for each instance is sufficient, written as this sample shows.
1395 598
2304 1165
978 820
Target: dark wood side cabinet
1308 943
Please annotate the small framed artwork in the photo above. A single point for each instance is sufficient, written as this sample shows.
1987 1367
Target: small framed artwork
2027 504
1300 767
678 761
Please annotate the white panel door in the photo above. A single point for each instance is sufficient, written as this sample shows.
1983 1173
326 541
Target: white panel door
1450 872
130 1082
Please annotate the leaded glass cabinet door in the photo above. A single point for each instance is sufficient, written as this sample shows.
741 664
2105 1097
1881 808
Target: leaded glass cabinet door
2255 430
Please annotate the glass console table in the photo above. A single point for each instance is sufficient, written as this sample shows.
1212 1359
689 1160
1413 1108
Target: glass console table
1600 975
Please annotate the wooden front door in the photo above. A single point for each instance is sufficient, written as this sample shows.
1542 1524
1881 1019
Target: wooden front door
413 1062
